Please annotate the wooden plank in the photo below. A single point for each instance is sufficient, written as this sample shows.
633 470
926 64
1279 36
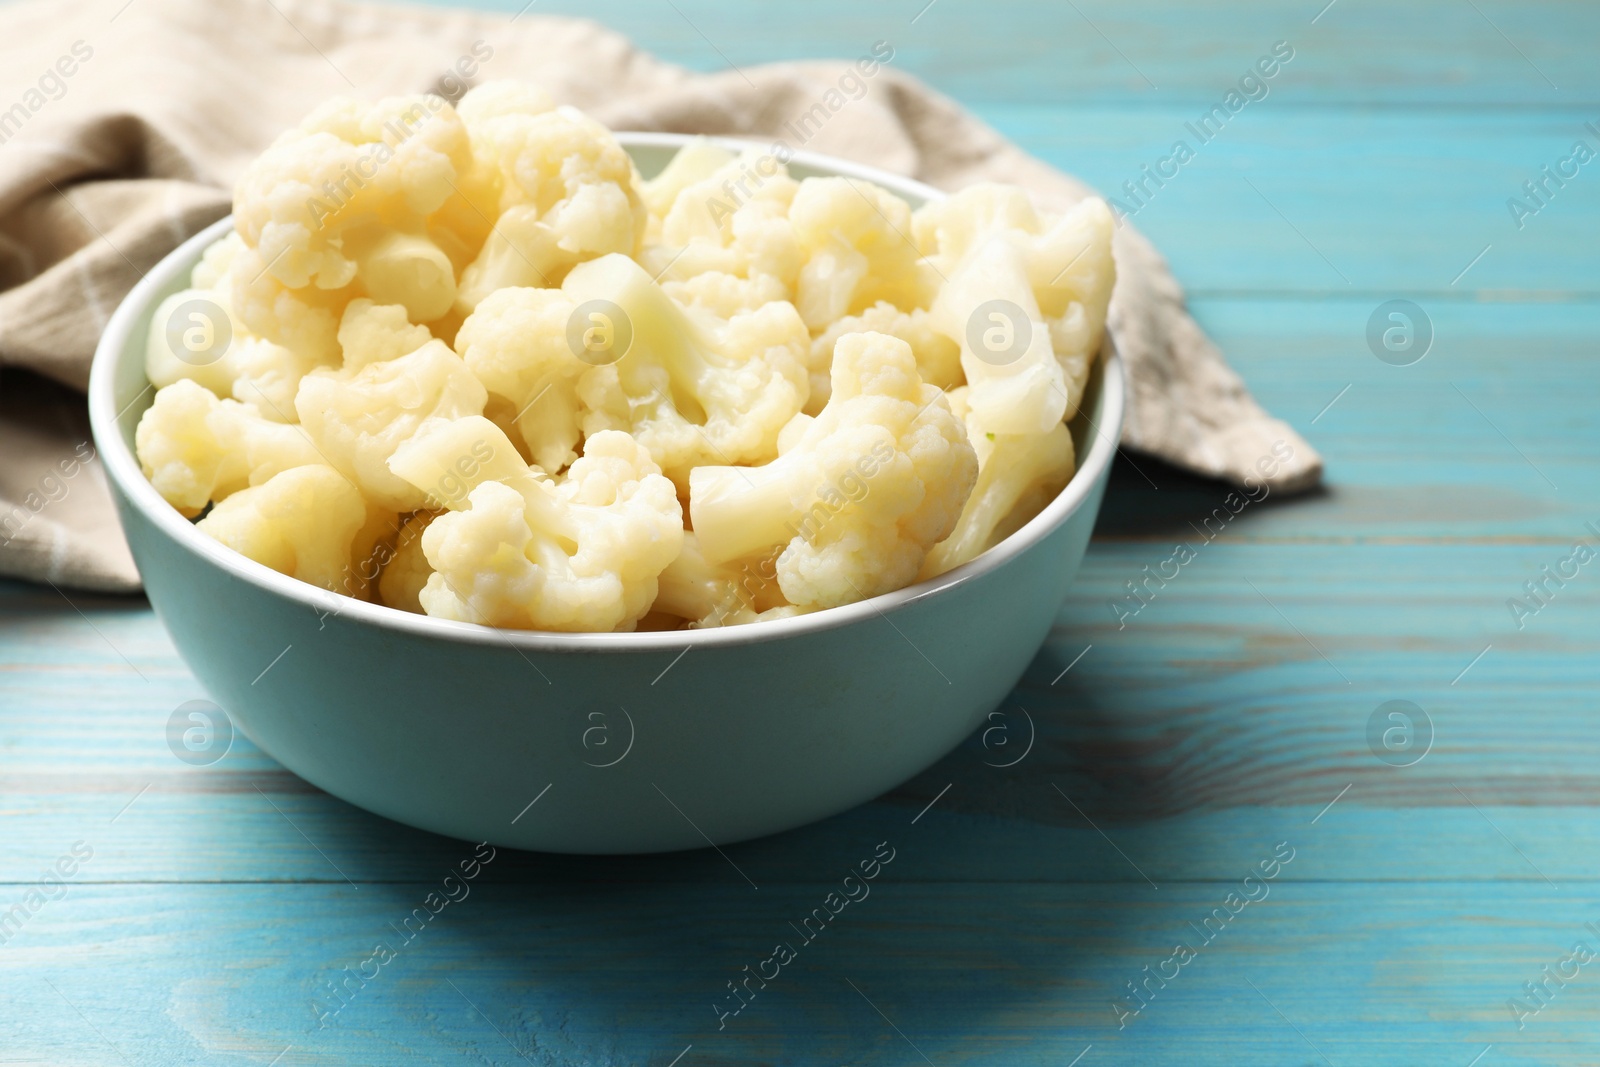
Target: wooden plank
1385 203
1093 51
1225 695
991 830
565 972
1228 715
1489 437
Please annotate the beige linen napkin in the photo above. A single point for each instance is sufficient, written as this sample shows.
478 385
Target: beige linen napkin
123 124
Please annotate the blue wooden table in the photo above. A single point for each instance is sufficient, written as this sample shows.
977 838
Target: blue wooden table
1225 845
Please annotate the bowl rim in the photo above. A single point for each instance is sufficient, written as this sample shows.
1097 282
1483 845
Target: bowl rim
124 470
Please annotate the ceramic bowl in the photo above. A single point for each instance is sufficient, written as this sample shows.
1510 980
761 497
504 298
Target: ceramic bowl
595 743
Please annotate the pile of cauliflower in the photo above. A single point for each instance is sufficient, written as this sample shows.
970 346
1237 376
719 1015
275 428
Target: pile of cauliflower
475 366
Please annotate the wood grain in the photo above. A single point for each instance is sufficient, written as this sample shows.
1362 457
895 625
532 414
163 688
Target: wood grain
1433 52
1167 753
1385 203
976 973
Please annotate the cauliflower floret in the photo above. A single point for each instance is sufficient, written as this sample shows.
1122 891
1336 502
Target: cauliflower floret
375 333
516 344
194 334
776 357
946 230
735 221
693 163
472 209
691 388
1068 258
1072 271
582 553
726 295
196 449
719 594
370 550
448 458
204 353
341 206
401 581
268 375
216 262
860 493
1022 294
306 522
856 241
988 307
938 357
565 191
394 381
1050 279
304 320
1018 474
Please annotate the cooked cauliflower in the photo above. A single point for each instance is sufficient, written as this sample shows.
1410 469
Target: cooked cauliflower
401 581
395 381
1035 299
515 343
581 553
1017 385
448 458
565 191
726 295
305 522
196 449
207 357
1018 474
733 222
342 206
1054 282
720 594
304 321
465 362
1068 257
218 350
268 375
858 249
938 357
694 162
868 486
692 388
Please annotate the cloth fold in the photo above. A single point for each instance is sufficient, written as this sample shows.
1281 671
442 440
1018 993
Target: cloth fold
122 130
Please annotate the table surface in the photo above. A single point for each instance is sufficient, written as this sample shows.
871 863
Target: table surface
1221 729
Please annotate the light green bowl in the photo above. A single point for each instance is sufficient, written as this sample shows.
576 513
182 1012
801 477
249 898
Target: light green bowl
628 742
